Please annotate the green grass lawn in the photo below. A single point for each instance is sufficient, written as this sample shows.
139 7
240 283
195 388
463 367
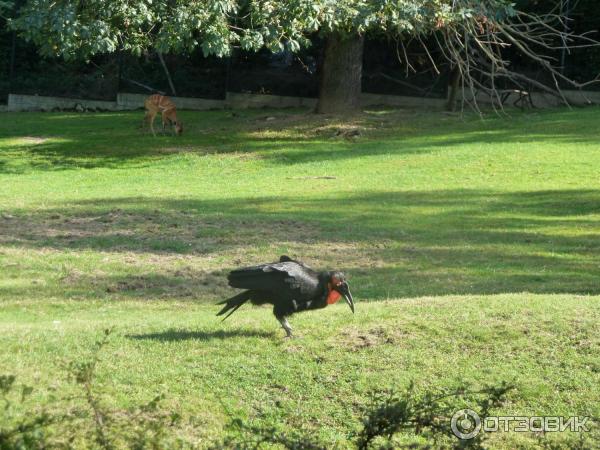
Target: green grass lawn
472 248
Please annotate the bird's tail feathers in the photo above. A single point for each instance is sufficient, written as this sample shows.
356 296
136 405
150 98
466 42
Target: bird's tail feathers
233 303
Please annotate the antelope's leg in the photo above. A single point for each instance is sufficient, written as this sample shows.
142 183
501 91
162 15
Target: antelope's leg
164 121
174 121
152 117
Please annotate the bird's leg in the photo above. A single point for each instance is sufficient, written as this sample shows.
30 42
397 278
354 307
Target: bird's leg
286 326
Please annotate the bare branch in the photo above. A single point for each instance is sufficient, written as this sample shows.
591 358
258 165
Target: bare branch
477 49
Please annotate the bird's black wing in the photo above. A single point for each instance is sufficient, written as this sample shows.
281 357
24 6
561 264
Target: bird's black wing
286 277
286 258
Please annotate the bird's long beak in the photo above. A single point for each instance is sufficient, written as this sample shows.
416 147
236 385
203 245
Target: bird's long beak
345 291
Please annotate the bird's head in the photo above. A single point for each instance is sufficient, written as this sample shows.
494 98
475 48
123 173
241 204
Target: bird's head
337 286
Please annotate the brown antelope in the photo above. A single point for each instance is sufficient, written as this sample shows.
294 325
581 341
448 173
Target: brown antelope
161 104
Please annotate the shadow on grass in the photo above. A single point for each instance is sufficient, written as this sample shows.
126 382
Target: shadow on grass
392 244
59 141
115 140
184 335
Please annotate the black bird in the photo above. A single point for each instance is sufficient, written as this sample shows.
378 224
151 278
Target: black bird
288 285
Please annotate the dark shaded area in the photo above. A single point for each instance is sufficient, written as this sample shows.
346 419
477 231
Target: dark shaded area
194 75
184 335
105 75
385 71
35 75
284 73
580 64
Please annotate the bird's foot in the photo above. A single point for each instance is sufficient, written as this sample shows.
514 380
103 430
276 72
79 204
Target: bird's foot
293 336
286 326
290 335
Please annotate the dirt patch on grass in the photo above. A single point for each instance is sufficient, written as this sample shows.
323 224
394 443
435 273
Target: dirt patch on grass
151 231
154 282
143 251
174 150
342 130
74 276
311 126
357 340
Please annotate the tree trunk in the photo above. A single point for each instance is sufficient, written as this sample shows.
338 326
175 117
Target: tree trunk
341 74
454 86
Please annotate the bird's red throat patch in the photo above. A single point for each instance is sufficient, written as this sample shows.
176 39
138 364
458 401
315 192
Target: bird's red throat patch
333 295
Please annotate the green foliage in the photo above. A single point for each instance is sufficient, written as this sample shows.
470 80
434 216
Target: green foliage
425 415
5 8
81 29
19 430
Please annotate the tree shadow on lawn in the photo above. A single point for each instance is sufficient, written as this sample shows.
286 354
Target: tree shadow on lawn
174 335
59 141
392 244
115 140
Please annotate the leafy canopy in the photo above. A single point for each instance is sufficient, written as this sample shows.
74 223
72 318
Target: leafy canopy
83 28
5 7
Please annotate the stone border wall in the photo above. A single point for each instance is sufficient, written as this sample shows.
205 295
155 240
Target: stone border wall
127 101
544 100
17 102
234 100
